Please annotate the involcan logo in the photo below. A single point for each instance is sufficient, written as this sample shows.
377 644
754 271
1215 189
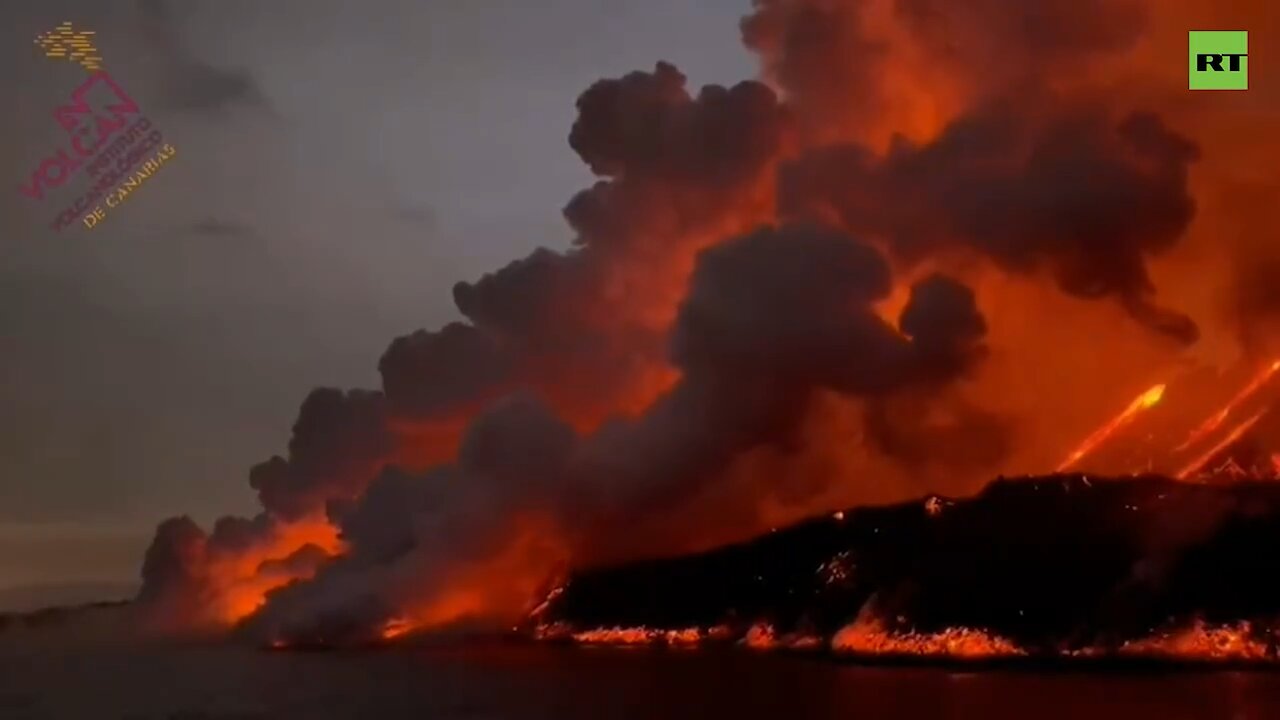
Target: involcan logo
1219 60
108 139
66 43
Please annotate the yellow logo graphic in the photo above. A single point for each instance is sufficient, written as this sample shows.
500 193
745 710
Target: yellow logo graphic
66 43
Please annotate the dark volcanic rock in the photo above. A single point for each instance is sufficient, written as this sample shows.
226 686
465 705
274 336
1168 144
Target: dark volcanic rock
1053 564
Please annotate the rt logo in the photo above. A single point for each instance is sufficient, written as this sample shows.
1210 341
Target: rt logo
1219 60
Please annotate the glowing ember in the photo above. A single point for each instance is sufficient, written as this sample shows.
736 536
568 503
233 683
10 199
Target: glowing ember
618 636
933 506
761 637
1203 643
395 628
1145 401
1214 421
1231 437
546 603
868 637
685 637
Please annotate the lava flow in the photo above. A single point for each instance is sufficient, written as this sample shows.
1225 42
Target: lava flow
1215 420
930 244
1145 401
1062 568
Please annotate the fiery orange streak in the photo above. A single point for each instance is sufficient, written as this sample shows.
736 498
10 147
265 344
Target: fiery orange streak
1231 437
1213 421
1144 401
395 628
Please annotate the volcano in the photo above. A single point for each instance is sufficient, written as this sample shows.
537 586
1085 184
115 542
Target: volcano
1055 567
1158 565
926 244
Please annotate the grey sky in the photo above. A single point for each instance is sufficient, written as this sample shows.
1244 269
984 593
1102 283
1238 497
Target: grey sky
340 165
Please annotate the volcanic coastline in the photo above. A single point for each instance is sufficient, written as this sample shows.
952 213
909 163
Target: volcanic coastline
1067 568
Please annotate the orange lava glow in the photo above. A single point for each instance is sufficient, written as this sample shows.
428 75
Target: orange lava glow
1145 401
1203 643
241 582
618 636
395 628
1213 421
498 586
1231 437
761 636
632 636
864 637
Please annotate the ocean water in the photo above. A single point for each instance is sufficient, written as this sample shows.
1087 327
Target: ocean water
85 675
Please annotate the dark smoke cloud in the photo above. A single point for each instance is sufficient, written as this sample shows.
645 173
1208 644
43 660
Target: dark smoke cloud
238 534
818 52
339 442
528 301
676 163
461 362
409 531
647 124
836 59
1076 195
770 318
172 579
566 324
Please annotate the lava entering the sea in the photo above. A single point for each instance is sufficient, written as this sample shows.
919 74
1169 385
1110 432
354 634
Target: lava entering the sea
931 244
1064 567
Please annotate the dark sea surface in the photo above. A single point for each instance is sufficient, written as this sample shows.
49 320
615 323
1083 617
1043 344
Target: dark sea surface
83 675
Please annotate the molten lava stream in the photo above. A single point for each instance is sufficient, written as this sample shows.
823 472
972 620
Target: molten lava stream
1216 419
1231 437
1145 401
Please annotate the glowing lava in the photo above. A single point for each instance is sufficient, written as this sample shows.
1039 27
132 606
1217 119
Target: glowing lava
240 582
1145 401
395 628
868 637
1231 437
1215 420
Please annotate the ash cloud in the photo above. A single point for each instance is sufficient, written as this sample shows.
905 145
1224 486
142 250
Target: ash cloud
171 580
463 364
339 442
769 318
409 532
844 64
570 323
1078 195
647 124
